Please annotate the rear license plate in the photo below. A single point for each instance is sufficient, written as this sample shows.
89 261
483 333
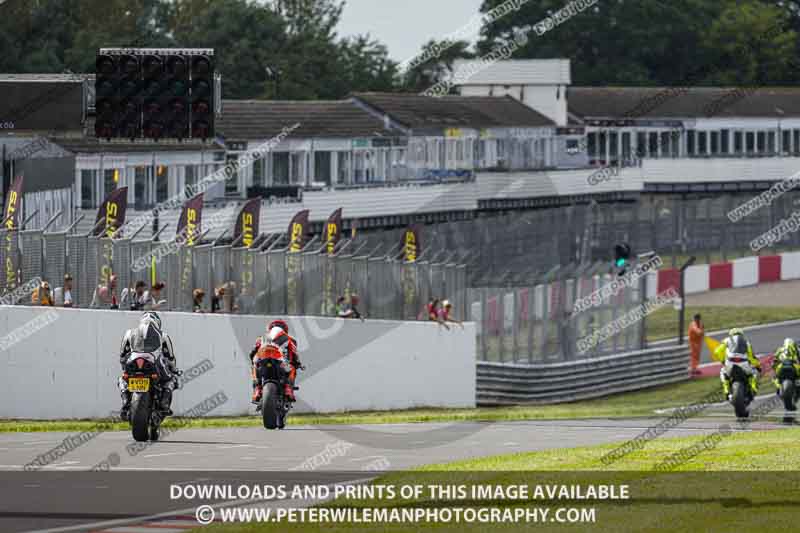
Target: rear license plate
138 384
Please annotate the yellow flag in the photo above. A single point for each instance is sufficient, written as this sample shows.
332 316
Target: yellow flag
712 345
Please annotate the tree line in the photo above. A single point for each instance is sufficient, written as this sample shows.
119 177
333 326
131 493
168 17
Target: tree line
289 49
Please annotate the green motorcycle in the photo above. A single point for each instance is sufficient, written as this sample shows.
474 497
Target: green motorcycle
787 373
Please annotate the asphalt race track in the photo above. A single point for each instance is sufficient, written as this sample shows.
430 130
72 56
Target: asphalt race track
64 494
763 338
254 448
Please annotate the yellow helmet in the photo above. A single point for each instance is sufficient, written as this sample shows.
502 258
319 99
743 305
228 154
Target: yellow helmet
735 331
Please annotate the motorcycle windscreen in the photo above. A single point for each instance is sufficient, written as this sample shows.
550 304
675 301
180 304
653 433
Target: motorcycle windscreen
146 338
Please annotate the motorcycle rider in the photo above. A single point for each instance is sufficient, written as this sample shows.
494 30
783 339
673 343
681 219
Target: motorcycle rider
737 344
150 327
788 350
277 337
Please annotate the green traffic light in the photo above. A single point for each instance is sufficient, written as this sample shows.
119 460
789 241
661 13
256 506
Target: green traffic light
620 262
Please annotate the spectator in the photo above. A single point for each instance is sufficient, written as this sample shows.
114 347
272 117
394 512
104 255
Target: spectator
106 295
137 299
348 309
434 314
152 300
340 305
354 301
41 295
197 300
445 315
430 308
62 296
217 299
696 334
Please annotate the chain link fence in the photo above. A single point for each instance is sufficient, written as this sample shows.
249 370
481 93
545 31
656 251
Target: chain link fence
310 282
537 324
516 247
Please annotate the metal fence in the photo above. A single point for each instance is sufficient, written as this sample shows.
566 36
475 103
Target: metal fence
536 324
517 247
256 281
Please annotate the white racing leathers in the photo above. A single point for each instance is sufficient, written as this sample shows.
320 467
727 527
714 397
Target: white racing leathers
736 359
167 367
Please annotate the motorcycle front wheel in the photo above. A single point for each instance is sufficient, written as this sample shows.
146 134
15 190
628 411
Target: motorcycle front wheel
739 399
787 394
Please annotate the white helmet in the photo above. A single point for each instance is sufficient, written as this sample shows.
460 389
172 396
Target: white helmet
151 316
146 337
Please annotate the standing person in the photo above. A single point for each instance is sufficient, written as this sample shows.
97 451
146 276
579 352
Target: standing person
63 295
696 334
217 299
137 299
106 295
41 295
197 300
151 300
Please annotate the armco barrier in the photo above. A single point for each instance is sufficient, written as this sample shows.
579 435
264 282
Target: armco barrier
510 384
70 368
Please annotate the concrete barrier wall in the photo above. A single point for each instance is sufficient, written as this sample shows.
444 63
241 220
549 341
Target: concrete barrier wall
69 368
745 271
696 279
790 265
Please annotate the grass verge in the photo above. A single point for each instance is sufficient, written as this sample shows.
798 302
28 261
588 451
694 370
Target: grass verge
736 482
631 404
663 323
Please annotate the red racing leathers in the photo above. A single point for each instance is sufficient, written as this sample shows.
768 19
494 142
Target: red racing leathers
276 340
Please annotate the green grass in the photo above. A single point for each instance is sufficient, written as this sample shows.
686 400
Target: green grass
751 496
639 403
663 323
755 450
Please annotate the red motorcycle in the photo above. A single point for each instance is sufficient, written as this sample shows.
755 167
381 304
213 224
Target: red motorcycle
272 372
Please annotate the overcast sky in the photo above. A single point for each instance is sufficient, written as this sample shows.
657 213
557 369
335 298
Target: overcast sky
405 25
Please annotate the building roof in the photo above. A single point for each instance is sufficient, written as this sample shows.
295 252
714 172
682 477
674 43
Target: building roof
264 119
683 102
518 72
417 111
34 77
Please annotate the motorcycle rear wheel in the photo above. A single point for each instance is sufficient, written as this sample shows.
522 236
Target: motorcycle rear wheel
269 406
140 416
